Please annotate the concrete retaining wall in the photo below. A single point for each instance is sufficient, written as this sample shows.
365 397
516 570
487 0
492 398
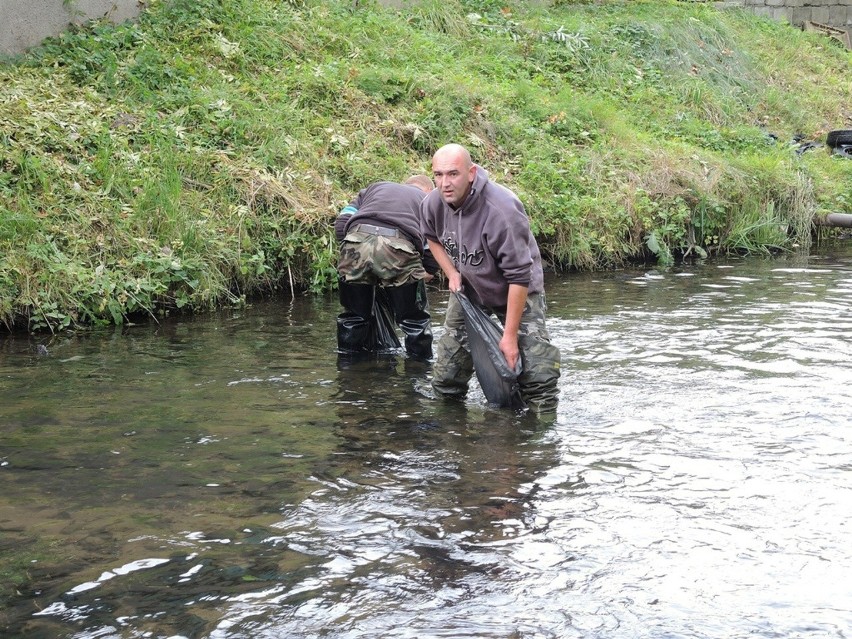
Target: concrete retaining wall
25 23
835 13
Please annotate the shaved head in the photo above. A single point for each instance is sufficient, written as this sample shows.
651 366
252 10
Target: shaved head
453 171
422 182
454 152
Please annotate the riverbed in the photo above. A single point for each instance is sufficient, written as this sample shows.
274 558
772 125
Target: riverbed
229 476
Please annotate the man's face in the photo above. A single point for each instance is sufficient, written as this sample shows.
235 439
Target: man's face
452 177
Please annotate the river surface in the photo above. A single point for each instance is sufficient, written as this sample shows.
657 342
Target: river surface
227 476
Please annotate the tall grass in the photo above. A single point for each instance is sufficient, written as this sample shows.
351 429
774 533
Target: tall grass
199 155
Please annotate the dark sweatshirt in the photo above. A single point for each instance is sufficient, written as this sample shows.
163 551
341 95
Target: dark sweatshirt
488 238
387 204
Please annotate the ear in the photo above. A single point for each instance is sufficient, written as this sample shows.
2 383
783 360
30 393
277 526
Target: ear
471 174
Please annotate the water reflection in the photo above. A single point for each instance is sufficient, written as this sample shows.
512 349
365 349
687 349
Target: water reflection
410 520
230 476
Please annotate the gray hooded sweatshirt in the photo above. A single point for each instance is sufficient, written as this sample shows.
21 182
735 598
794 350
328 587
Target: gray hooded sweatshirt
488 238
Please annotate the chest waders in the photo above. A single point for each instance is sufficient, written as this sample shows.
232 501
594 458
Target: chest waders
367 323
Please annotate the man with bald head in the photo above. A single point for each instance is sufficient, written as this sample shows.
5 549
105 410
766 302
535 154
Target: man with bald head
479 233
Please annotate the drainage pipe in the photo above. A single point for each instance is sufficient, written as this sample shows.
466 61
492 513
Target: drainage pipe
834 219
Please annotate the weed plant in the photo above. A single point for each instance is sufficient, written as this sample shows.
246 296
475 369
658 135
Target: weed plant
198 156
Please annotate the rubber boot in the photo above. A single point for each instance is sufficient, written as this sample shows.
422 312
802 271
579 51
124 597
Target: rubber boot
409 308
354 330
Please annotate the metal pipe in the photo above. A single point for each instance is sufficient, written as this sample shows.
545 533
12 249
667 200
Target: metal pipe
834 219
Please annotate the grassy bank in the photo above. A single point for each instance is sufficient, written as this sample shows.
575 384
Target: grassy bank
199 155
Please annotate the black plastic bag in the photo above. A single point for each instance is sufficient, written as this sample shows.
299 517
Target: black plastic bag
384 336
498 381
367 325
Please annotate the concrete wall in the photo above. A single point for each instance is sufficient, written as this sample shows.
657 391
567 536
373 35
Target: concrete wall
25 23
835 13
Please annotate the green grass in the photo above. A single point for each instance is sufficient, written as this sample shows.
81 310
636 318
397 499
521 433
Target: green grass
198 156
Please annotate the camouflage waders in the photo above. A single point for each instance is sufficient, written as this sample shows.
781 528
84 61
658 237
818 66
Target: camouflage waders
541 360
381 257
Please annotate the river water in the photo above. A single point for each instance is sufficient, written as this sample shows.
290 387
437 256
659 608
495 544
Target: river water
228 476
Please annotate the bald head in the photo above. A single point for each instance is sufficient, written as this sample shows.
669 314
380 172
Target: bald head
454 152
422 182
453 171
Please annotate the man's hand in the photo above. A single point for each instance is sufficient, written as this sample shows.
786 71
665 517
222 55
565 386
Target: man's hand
517 300
454 280
509 348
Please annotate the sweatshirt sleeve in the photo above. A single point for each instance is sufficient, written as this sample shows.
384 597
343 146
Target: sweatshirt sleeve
428 213
513 250
346 214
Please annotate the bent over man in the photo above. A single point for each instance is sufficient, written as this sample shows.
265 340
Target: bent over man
382 246
479 233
